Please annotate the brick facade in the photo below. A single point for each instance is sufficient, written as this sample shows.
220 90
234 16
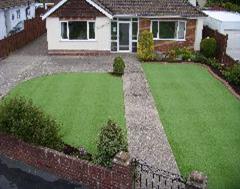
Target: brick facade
165 45
71 168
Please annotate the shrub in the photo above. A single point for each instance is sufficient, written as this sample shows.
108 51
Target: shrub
118 66
214 63
231 7
198 57
145 50
232 74
22 119
184 53
111 141
208 47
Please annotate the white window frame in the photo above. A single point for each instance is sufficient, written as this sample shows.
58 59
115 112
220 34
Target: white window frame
67 21
170 39
130 21
18 11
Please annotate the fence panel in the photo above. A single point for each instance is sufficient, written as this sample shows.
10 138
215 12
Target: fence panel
221 39
33 29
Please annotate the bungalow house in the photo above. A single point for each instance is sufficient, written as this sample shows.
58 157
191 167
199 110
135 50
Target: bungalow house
104 26
12 15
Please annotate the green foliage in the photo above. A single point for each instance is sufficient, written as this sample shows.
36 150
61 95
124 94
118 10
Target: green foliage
198 57
145 50
232 74
184 54
208 47
111 141
214 63
231 7
22 119
118 66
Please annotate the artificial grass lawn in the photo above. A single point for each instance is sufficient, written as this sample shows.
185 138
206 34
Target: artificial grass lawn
201 119
82 102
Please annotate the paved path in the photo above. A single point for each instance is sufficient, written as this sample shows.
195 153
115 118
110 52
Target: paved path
146 137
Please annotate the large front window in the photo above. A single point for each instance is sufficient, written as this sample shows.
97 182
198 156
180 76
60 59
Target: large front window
168 30
78 30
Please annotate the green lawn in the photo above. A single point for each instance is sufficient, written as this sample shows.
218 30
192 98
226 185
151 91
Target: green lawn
82 102
201 119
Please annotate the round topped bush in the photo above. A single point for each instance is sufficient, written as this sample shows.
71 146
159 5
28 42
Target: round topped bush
208 47
118 66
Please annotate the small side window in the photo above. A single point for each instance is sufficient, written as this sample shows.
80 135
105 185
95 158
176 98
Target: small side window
155 29
18 14
91 30
13 16
181 30
64 30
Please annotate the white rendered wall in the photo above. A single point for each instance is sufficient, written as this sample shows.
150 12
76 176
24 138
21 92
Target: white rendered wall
2 25
11 23
102 35
198 34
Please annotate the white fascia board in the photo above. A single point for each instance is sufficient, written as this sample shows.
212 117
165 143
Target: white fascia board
53 9
64 1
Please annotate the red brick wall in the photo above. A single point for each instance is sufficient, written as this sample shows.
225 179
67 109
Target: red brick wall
71 168
165 45
77 9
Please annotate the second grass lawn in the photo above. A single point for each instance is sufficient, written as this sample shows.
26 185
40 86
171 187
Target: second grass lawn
201 119
82 102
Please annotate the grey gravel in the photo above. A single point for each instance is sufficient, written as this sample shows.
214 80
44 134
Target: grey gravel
33 61
146 136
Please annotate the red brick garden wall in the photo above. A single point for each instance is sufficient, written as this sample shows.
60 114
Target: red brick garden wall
93 176
164 46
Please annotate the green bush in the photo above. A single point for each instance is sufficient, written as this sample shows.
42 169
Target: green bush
231 7
208 47
118 66
214 63
22 119
198 57
111 141
145 50
232 74
184 53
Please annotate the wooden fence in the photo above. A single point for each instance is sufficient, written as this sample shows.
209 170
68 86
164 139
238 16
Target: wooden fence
221 39
33 29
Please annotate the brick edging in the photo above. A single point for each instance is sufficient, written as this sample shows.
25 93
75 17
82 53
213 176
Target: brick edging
79 52
68 167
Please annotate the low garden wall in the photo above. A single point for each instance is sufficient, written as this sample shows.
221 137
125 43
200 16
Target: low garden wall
71 168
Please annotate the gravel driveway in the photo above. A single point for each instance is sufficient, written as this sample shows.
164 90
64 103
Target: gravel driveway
146 137
33 61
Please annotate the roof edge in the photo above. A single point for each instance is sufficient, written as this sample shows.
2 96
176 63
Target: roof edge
57 6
